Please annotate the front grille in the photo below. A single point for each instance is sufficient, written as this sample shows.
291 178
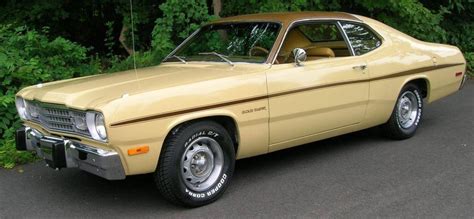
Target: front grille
56 117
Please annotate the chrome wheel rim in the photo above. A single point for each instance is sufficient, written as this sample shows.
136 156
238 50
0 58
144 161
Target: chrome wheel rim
202 164
407 109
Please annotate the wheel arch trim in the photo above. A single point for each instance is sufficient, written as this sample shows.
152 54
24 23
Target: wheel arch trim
222 117
417 79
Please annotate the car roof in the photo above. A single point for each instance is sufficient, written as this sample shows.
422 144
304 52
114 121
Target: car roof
290 17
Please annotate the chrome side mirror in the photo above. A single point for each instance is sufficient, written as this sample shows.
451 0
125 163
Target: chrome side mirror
300 56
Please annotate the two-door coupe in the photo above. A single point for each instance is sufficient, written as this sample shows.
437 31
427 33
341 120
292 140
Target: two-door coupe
238 87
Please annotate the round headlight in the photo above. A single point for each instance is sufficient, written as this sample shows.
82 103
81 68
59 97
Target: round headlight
20 107
100 126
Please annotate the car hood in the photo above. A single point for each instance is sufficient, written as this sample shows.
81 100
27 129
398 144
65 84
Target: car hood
92 92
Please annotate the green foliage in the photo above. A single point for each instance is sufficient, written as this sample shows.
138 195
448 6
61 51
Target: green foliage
109 40
408 16
459 27
470 63
257 6
86 22
143 59
28 57
180 19
10 157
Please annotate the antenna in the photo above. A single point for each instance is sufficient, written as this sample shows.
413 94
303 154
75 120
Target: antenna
133 42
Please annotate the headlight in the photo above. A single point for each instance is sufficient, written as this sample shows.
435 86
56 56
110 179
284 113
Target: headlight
32 110
20 107
80 121
100 126
96 125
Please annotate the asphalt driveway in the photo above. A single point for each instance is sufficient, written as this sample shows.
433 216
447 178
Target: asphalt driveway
356 175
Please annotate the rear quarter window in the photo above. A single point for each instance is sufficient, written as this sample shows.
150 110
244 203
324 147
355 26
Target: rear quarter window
362 39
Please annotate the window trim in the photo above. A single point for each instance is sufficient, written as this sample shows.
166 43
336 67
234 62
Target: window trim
346 38
177 48
375 33
294 23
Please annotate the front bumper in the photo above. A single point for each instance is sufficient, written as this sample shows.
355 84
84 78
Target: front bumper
63 153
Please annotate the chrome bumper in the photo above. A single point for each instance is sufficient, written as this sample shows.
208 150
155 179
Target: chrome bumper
63 153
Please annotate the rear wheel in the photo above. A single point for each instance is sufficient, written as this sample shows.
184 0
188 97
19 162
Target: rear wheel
406 115
196 164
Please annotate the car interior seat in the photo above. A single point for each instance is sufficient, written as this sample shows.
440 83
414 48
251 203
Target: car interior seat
317 53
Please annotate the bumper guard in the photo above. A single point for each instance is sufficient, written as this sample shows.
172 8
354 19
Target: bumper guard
63 153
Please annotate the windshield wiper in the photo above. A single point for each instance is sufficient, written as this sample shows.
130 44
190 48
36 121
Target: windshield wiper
180 58
223 57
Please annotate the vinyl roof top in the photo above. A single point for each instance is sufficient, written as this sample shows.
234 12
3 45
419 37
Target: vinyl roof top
289 17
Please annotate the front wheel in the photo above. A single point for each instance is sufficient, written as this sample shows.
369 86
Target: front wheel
196 164
406 115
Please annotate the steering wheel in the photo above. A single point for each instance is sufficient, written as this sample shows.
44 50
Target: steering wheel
257 49
260 49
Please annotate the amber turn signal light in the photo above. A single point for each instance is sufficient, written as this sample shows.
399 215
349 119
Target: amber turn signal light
138 150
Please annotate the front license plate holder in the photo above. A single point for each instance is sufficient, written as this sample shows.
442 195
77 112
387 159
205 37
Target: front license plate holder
54 153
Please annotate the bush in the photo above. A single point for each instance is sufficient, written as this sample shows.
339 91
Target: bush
180 19
28 57
470 63
143 59
9 156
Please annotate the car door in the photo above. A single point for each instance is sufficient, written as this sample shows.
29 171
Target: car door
327 92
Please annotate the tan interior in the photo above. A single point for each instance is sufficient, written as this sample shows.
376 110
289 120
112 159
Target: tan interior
294 39
316 53
318 50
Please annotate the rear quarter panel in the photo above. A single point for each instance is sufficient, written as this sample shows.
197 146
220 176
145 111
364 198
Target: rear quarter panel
402 59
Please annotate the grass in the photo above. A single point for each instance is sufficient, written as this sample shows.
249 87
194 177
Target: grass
10 157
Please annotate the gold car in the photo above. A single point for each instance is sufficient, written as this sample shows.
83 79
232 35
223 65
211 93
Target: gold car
238 87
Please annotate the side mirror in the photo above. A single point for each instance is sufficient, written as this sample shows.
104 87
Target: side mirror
300 56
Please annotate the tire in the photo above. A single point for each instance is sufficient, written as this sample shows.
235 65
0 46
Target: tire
196 164
406 115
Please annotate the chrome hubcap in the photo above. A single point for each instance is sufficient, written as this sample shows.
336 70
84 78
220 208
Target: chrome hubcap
407 109
201 164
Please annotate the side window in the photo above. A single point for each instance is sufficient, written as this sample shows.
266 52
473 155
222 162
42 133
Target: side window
320 40
321 32
362 39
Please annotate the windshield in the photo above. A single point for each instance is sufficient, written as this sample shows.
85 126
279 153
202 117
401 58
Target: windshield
230 42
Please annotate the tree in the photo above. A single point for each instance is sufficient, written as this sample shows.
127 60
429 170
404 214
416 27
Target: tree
217 5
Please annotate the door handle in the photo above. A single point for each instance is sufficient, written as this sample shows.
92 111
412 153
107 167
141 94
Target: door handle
360 67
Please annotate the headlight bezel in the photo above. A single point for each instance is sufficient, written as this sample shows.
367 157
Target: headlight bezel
97 126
